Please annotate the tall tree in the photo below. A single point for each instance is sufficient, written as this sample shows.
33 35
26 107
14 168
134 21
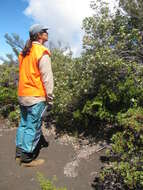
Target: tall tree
15 42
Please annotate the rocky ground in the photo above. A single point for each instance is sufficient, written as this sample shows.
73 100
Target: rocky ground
74 163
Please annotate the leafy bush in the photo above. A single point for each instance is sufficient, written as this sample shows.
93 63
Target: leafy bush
106 80
113 48
46 184
126 155
8 92
107 85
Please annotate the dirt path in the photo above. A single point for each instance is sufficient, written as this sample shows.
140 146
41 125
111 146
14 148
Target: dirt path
76 172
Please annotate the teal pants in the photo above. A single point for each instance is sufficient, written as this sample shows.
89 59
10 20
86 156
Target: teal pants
29 130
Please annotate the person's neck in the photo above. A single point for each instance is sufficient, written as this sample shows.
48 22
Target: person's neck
40 41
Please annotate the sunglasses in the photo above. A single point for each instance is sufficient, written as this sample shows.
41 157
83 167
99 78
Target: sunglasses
44 31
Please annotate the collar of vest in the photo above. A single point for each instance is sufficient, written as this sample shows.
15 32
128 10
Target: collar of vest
35 42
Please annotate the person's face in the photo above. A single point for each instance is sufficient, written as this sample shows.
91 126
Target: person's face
43 36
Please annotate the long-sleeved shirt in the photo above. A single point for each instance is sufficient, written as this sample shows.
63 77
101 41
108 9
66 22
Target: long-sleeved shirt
47 79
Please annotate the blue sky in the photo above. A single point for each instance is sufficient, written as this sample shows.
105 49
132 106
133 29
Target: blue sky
13 20
62 16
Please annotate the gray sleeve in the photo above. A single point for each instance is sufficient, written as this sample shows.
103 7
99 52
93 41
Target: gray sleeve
46 74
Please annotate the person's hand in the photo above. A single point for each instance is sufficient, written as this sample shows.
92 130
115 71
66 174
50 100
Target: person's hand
49 99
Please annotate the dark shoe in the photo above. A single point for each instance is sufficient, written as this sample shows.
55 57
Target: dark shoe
26 157
33 163
41 144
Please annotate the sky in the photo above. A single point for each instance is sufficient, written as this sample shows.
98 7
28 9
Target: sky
63 17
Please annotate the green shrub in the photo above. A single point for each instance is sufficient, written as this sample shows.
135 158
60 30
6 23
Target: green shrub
127 152
46 184
8 92
103 82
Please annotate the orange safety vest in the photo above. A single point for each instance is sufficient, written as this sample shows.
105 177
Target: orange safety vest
30 83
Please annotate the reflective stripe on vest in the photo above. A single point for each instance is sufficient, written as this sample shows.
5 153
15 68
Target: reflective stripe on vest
30 83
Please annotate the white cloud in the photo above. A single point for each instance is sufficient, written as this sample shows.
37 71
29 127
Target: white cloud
1 62
64 18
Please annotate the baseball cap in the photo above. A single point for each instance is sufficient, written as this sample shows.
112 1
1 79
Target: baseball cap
36 28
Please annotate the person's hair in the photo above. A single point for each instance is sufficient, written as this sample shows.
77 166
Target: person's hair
28 45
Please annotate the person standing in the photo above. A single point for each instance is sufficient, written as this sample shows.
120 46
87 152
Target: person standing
35 88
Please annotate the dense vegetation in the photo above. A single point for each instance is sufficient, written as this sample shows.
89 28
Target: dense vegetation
99 94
